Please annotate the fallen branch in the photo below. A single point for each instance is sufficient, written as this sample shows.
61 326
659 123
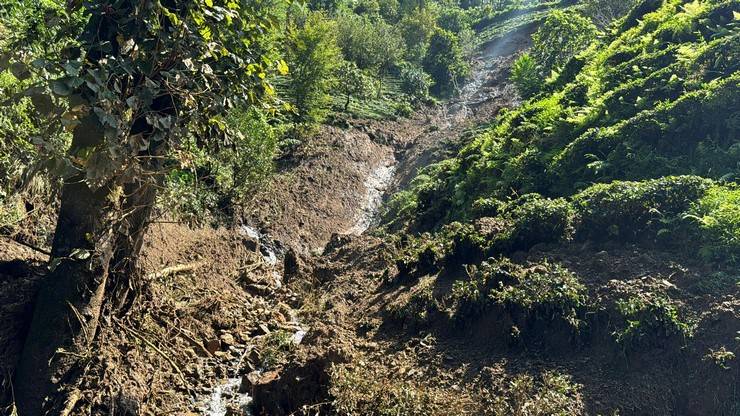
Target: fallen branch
172 270
187 335
72 400
28 245
155 348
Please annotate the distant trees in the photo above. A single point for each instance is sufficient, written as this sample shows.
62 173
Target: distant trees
417 27
373 45
313 57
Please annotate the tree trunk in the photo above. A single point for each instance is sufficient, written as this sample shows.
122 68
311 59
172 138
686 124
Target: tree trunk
346 103
124 283
93 228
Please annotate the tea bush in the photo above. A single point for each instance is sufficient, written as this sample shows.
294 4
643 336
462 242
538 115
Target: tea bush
718 216
636 210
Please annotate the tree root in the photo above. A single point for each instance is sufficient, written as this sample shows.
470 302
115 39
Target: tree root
154 347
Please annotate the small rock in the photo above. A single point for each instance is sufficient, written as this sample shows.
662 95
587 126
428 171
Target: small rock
227 340
212 345
265 330
291 264
258 289
249 381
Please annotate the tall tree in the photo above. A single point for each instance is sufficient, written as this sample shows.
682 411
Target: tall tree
142 76
312 52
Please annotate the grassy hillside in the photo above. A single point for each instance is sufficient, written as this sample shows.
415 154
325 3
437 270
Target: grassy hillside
656 98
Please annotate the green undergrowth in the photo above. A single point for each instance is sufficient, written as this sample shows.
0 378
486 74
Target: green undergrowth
545 301
689 214
656 97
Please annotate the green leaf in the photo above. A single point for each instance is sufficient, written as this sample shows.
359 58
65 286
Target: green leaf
60 88
20 71
209 3
4 61
282 67
43 104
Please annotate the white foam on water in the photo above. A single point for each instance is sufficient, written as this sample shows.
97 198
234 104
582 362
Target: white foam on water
375 186
226 395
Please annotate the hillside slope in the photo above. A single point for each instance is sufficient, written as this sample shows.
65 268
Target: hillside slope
577 256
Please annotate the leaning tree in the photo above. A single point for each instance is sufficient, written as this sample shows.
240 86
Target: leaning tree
139 81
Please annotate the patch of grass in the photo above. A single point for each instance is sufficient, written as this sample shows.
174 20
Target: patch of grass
275 347
550 394
362 390
636 210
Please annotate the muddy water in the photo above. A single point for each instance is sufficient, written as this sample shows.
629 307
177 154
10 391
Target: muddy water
376 184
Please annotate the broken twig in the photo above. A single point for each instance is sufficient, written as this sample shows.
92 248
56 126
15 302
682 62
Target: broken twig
172 270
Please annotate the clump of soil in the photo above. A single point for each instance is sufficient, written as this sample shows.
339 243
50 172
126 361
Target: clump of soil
211 304
21 270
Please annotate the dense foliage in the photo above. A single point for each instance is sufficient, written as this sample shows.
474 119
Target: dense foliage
658 97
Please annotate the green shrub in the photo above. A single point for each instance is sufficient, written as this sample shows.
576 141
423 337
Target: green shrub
415 82
470 297
403 109
646 318
226 176
353 82
718 215
544 292
563 35
525 74
535 220
636 210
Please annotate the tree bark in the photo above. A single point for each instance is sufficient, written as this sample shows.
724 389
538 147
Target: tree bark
98 233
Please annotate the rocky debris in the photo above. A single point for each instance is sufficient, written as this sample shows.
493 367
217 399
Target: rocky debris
293 265
296 385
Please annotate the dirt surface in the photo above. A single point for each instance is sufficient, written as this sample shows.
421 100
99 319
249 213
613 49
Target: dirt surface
468 368
336 182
